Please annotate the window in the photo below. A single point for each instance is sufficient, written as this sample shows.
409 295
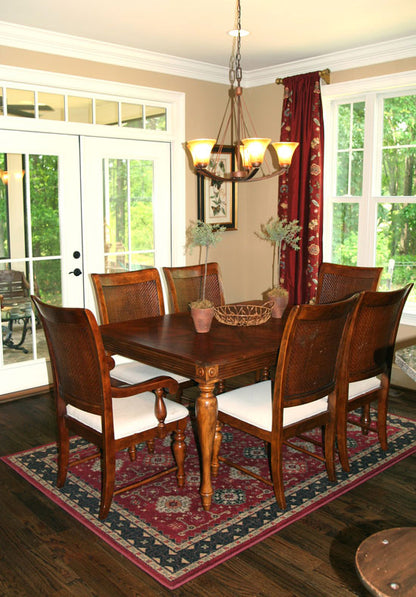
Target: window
128 215
41 104
370 180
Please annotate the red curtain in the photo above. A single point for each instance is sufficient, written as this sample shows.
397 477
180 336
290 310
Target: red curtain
300 191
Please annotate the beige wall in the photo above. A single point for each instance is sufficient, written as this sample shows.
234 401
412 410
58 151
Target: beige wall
244 259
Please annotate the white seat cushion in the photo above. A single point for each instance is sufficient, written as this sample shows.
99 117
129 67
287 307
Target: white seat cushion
136 372
253 405
356 388
131 415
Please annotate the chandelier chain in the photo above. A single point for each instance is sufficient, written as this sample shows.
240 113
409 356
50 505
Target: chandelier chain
234 137
238 70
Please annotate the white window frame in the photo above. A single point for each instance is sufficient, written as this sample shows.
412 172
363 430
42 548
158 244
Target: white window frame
174 101
368 90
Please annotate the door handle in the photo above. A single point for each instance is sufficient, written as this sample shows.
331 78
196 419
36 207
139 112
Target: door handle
76 272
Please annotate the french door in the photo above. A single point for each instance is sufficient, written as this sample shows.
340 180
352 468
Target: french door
126 192
41 242
70 206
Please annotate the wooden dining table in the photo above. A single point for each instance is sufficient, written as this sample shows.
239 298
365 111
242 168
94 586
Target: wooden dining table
170 342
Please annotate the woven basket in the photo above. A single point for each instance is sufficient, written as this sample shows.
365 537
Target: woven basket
243 315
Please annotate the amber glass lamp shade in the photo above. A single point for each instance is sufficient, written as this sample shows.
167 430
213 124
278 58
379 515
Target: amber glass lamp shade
4 176
253 151
201 150
285 152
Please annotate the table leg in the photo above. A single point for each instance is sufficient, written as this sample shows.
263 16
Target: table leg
206 416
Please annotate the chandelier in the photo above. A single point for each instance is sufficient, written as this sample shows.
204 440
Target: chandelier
248 153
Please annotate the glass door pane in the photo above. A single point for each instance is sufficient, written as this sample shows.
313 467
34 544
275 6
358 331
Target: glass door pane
132 228
40 233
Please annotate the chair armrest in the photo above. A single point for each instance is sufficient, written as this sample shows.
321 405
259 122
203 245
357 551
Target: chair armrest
110 362
156 383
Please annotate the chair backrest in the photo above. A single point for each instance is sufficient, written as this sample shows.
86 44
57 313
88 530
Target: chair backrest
337 282
311 352
128 295
13 286
373 333
185 285
79 363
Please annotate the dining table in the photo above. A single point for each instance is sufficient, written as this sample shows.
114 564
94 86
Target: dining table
170 342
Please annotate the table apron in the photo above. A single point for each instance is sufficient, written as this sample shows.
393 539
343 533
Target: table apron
201 372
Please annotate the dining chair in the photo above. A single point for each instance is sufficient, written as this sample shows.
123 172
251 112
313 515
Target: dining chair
14 286
366 371
112 418
185 285
303 394
336 282
132 295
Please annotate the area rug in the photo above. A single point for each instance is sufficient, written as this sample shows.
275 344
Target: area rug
165 531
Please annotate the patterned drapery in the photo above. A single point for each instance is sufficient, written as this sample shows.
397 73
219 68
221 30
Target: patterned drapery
300 191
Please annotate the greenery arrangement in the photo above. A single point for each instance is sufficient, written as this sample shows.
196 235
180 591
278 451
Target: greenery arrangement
200 234
279 231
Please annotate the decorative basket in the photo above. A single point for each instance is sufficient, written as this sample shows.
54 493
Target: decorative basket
243 315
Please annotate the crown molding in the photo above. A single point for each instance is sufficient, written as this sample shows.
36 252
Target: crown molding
337 61
49 42
40 40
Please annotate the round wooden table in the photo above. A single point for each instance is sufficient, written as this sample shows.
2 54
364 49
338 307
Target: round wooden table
386 562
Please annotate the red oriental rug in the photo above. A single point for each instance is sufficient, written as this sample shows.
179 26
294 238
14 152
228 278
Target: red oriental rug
165 531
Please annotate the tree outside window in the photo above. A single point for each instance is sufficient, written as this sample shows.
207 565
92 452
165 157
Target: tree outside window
372 211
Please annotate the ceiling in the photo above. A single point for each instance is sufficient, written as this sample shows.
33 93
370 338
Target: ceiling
198 31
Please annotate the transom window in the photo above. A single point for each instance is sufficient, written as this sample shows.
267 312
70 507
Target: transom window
65 107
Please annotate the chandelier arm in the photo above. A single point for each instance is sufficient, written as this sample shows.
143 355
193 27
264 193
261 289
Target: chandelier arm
245 177
267 176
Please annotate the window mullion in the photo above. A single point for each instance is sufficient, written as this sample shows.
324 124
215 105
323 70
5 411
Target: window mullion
368 207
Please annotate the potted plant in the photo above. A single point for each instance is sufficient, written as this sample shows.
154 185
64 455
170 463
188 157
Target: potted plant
279 231
200 234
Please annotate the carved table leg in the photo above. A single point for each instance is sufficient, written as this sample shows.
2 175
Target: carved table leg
206 415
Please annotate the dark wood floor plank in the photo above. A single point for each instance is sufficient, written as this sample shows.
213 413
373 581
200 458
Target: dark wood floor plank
45 551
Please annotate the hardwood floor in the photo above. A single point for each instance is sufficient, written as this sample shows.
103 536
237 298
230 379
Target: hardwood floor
44 551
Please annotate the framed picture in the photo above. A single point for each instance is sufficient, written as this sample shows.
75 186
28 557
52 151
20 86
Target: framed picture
217 201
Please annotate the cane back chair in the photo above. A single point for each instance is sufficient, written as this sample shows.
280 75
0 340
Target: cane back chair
185 285
366 371
132 295
336 282
303 395
112 418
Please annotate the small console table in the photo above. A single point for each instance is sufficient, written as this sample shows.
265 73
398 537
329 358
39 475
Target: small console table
10 315
386 562
406 360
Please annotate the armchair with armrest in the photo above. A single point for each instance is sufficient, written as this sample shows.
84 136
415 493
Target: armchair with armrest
112 418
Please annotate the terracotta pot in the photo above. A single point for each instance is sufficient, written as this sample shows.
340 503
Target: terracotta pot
202 319
279 305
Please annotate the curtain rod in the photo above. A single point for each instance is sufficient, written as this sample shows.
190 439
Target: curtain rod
324 74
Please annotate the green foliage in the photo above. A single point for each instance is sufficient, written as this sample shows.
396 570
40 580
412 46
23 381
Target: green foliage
130 215
4 240
351 121
44 205
201 234
345 233
279 231
396 222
